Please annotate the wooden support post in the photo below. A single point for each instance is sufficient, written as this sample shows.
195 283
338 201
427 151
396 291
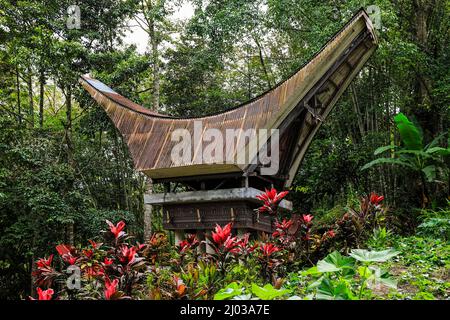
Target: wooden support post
232 215
209 248
148 210
201 237
179 236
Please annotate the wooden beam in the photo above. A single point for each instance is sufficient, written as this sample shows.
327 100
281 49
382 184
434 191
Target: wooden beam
248 194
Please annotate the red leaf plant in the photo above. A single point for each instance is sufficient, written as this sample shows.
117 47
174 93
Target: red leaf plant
180 287
127 255
88 253
328 235
245 248
45 274
95 245
44 294
221 234
282 230
226 247
111 292
107 261
375 199
93 272
98 263
307 219
270 198
306 224
71 260
68 253
268 249
357 224
223 241
268 261
189 243
116 230
45 262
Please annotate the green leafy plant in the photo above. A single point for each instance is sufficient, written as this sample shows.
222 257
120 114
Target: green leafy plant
230 291
380 238
236 291
438 227
268 292
368 272
425 160
435 223
349 278
373 256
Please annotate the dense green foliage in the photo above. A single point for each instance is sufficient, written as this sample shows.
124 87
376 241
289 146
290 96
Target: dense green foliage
64 169
276 267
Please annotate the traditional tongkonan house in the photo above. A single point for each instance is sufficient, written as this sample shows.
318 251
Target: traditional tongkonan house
219 186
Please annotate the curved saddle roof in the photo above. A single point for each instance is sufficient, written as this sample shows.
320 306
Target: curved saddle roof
306 97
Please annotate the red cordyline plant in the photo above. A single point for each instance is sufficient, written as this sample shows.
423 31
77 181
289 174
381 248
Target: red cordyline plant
158 249
310 242
111 292
188 244
294 234
282 234
270 198
180 287
116 230
227 247
357 224
45 274
375 199
109 271
224 244
43 294
245 247
268 260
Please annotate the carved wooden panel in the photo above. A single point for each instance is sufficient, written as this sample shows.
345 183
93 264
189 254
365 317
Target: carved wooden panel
207 215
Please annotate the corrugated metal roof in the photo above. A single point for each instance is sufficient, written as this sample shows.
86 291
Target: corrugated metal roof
148 133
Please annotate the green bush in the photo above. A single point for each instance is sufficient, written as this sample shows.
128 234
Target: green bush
435 224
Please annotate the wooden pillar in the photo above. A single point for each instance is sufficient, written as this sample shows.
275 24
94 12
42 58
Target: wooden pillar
259 234
201 237
179 236
148 210
209 248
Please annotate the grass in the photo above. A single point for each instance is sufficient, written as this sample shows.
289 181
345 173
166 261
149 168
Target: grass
422 269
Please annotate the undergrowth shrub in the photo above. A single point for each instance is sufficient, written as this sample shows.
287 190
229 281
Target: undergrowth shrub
115 266
435 224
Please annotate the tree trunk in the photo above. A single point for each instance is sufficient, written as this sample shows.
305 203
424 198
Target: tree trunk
30 97
263 65
19 108
41 98
357 110
148 210
154 42
33 265
69 126
422 12
69 146
249 76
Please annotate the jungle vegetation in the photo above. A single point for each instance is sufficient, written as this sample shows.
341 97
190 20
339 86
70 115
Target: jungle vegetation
64 169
